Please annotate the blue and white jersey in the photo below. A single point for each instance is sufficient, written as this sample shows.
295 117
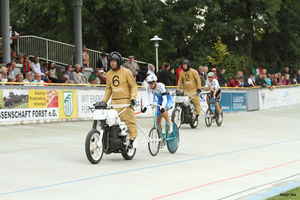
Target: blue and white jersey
160 95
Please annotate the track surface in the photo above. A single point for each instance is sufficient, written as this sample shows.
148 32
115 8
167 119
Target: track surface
251 152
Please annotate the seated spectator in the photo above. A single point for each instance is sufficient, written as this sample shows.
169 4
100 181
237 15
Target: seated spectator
38 78
83 74
53 73
11 79
287 80
260 81
68 71
4 73
281 79
26 65
221 78
66 79
29 77
45 72
100 77
243 83
251 80
36 66
294 79
20 78
92 79
78 78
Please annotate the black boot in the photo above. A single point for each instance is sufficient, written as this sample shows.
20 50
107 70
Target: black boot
130 145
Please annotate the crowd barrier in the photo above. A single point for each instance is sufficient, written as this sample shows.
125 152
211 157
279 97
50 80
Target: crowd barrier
60 103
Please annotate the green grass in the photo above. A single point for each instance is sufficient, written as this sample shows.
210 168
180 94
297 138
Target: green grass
293 194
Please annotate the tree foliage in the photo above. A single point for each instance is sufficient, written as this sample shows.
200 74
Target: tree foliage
256 32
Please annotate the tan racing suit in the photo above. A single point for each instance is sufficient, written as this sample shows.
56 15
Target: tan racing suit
122 88
191 82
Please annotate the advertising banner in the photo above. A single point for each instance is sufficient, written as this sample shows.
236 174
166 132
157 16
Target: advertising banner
37 98
239 102
14 99
67 101
86 99
26 114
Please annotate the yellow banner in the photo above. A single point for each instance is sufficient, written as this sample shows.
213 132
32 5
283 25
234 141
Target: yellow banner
1 100
67 101
37 98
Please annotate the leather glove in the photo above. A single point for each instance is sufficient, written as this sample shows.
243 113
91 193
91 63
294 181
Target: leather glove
198 91
143 110
132 102
100 105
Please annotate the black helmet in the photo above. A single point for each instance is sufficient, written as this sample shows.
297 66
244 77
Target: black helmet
115 56
188 64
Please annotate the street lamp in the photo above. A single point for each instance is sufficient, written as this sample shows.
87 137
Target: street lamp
156 40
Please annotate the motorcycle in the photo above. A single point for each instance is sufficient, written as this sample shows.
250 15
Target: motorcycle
109 134
184 111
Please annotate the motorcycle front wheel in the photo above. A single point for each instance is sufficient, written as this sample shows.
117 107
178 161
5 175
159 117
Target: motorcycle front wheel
129 154
93 147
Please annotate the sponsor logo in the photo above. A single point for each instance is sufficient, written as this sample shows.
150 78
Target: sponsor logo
68 103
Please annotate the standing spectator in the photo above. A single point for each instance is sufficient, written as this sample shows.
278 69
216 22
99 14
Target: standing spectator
221 78
68 71
1 81
26 65
20 78
36 66
132 66
83 74
14 56
164 76
10 71
235 82
205 69
78 78
275 79
20 59
267 80
13 35
251 80
13 68
264 72
179 69
294 79
172 76
28 77
214 70
151 70
102 62
298 77
162 67
260 81
85 57
53 73
202 75
287 80
286 71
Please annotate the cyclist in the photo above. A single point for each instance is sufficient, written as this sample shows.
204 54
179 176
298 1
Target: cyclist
213 86
163 98
122 89
191 82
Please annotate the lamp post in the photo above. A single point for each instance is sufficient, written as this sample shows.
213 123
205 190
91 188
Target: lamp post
156 40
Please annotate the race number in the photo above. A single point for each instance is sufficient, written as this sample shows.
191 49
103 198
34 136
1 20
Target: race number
115 81
187 77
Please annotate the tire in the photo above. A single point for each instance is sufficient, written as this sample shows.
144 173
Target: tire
208 118
129 154
153 146
194 123
176 117
173 139
93 152
217 120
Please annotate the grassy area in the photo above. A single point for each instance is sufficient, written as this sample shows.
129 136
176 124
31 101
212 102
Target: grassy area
293 194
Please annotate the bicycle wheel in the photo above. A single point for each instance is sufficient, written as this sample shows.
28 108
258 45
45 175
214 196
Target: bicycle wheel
219 119
176 118
93 151
173 139
208 118
153 146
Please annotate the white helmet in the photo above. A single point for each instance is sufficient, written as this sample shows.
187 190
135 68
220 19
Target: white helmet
151 78
210 74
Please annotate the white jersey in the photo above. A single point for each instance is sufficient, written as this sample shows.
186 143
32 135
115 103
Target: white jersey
160 94
214 84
